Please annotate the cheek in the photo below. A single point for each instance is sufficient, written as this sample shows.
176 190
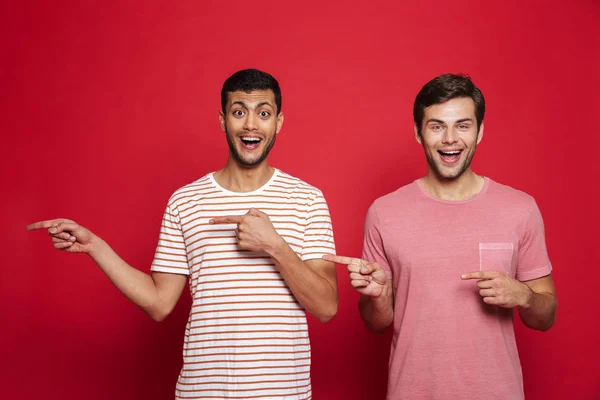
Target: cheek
430 146
471 138
234 122
270 125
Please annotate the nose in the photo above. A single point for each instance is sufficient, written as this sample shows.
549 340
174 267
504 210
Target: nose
250 122
450 136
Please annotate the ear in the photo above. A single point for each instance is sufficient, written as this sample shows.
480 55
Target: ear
417 136
222 120
279 123
480 133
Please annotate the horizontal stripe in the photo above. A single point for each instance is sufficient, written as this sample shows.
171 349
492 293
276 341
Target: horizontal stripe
262 396
248 338
291 366
228 361
241 295
242 383
237 376
194 335
237 310
273 317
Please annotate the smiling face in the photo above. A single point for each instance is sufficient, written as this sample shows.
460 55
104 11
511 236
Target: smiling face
251 123
449 137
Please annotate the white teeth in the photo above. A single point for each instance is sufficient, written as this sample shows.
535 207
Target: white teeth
250 139
451 153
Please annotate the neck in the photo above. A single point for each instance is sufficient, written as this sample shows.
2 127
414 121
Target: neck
238 178
464 187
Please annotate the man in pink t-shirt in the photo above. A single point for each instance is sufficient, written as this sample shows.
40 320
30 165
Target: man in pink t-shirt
448 257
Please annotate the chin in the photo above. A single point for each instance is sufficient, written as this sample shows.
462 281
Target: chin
249 162
449 175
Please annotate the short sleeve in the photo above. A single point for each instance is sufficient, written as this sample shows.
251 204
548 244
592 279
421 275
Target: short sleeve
318 234
373 249
170 253
533 260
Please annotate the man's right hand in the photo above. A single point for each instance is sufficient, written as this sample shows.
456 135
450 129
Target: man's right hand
368 278
156 294
67 235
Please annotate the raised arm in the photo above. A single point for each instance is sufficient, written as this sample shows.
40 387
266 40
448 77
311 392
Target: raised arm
155 294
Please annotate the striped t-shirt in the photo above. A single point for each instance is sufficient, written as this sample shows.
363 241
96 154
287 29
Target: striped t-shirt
246 335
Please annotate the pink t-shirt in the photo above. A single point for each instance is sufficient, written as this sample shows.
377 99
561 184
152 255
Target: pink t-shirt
447 343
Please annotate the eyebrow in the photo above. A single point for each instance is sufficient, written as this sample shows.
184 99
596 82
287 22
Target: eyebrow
241 103
439 121
264 103
259 105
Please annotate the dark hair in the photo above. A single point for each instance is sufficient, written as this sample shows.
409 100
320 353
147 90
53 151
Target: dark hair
248 80
447 87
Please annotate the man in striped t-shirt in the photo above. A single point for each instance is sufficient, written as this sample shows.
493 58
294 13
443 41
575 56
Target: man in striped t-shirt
250 238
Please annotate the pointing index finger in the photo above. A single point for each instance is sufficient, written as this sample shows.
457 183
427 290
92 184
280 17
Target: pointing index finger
479 275
45 224
230 219
339 259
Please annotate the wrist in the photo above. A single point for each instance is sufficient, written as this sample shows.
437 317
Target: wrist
276 247
95 246
527 297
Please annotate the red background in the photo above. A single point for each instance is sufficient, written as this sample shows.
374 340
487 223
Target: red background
108 107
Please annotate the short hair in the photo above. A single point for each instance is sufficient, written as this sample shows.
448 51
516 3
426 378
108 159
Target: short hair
447 87
249 80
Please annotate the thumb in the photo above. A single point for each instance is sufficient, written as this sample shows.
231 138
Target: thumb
254 212
380 276
370 268
64 227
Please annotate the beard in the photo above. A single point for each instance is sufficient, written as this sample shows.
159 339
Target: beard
442 175
248 162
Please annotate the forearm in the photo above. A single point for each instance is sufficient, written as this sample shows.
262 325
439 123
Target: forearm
136 285
378 312
539 312
314 292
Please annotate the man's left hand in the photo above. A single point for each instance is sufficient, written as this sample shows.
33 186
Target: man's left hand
254 232
501 290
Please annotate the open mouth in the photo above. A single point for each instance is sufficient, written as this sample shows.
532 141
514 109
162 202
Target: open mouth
250 142
450 156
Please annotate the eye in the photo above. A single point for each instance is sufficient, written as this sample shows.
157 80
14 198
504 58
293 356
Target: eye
238 113
436 127
264 114
463 127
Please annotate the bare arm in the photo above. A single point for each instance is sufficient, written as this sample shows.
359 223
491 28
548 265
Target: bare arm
539 311
312 282
378 312
155 294
376 302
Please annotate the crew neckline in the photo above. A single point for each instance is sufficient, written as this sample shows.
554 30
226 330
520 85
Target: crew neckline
482 192
257 191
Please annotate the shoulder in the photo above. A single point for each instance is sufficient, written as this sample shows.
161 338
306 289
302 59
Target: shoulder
197 189
510 197
292 184
398 198
394 205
